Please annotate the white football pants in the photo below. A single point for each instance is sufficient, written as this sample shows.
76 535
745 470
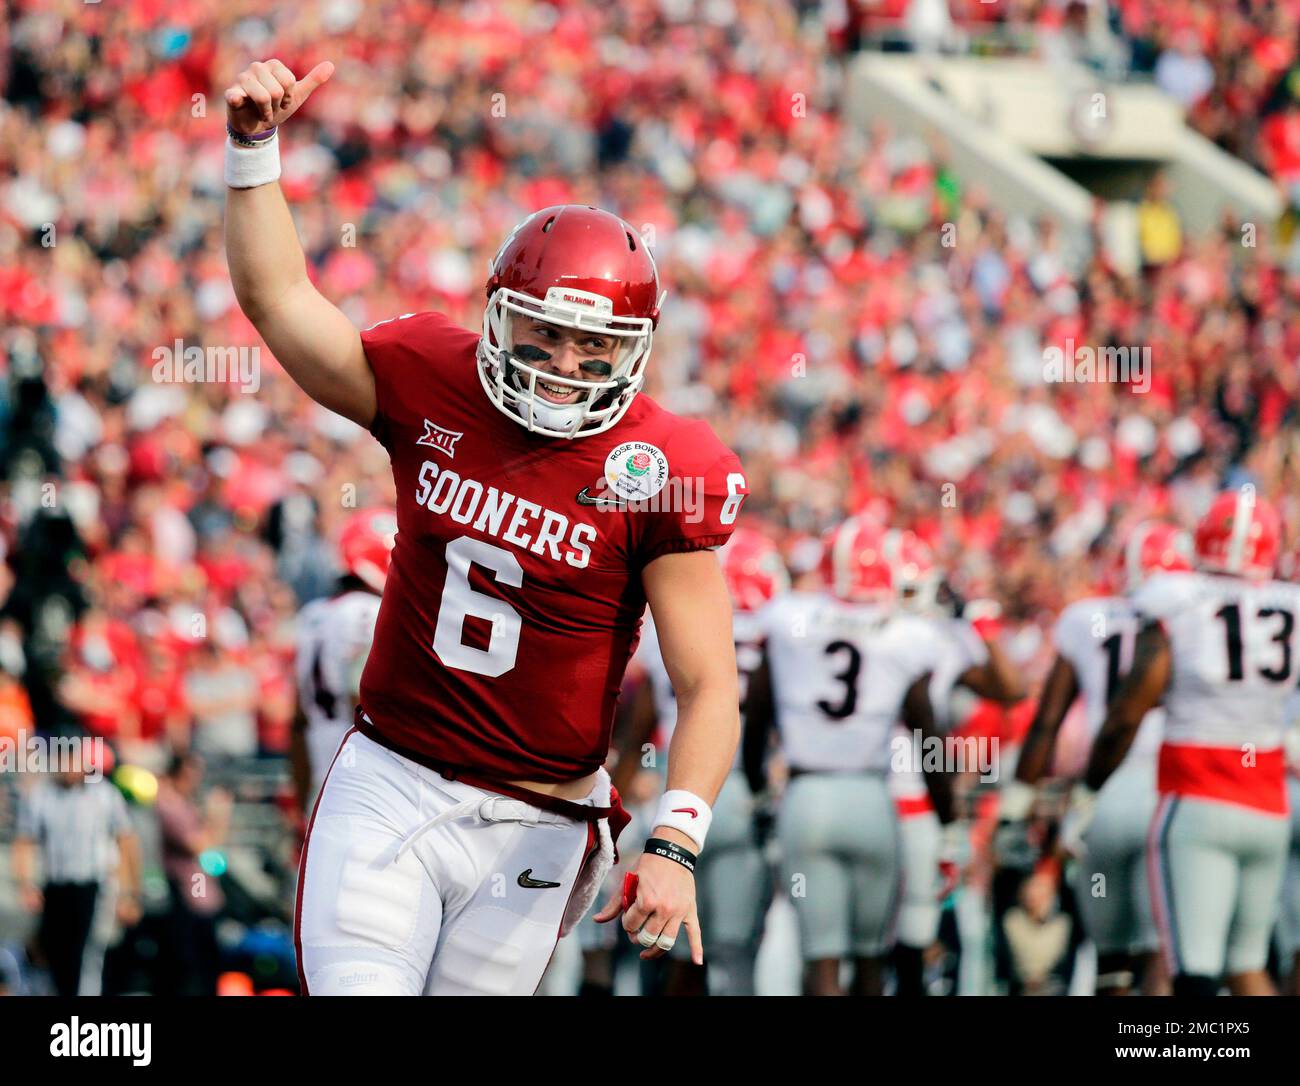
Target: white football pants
411 884
1216 883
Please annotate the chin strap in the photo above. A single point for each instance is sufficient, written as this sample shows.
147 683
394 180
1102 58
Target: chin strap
607 398
507 363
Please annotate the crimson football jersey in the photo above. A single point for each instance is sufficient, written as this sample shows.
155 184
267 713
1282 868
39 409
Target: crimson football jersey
514 598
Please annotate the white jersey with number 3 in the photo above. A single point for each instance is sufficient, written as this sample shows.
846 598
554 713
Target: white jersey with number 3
840 673
1096 636
1235 651
333 641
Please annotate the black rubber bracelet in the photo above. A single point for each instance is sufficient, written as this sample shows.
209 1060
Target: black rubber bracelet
670 850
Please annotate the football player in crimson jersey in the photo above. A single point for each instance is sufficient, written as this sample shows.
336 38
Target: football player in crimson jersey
1217 647
467 821
1094 647
333 641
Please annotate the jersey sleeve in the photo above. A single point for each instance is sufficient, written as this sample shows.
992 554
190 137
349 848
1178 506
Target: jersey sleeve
343 656
930 651
1067 633
768 617
1161 598
970 646
405 354
697 510
305 641
916 645
119 818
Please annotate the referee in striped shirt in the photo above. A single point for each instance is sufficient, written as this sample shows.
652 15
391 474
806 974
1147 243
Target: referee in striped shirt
82 833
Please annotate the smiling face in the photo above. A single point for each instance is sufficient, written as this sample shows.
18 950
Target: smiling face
572 353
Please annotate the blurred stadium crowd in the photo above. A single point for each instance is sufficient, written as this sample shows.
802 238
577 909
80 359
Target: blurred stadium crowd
159 537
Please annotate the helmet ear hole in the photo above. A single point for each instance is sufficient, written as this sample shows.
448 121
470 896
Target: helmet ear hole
631 242
546 226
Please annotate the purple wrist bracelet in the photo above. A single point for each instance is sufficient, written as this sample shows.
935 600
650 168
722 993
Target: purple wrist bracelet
250 141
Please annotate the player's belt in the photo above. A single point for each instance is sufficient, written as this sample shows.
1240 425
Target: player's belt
579 812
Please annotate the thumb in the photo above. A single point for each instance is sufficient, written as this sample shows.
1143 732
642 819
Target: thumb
318 75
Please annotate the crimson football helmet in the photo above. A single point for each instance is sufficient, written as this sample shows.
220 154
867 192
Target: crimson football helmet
1152 547
366 545
916 577
577 267
1241 533
854 564
753 569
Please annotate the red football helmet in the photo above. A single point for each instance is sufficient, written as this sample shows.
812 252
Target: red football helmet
916 577
366 545
577 267
1153 546
854 564
1241 534
752 567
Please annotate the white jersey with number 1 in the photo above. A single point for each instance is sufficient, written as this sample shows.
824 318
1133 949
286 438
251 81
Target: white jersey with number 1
1096 636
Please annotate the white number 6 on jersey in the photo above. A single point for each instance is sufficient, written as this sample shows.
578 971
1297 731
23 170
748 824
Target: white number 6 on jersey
736 491
459 600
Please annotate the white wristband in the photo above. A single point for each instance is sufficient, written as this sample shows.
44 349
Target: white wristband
248 167
686 813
